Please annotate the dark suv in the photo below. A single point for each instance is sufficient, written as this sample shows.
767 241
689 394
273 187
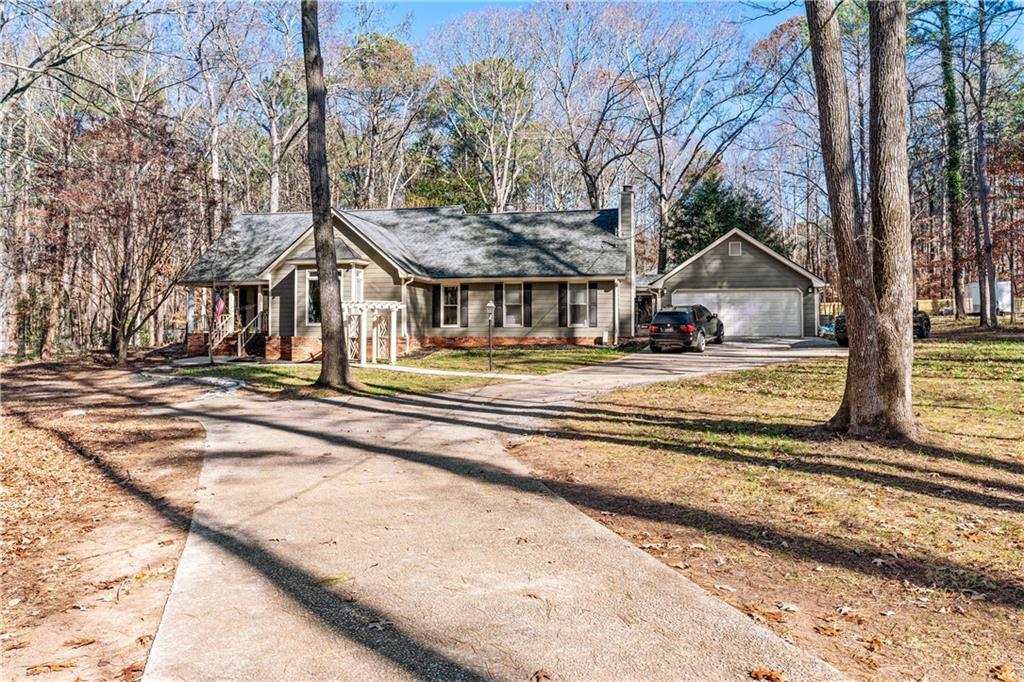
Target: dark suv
922 327
688 326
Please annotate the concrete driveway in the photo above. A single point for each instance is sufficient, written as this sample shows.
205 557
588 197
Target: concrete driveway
397 539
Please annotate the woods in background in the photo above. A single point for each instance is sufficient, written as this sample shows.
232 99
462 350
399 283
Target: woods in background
131 132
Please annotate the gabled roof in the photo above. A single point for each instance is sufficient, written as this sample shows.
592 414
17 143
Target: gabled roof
247 246
342 251
448 243
737 232
431 243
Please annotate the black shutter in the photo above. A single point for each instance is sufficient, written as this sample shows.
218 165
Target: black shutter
499 305
527 305
463 305
435 315
592 300
563 304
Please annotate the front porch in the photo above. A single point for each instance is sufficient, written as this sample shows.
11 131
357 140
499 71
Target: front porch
235 321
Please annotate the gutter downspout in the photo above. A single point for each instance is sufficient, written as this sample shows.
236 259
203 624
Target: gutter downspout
615 313
406 280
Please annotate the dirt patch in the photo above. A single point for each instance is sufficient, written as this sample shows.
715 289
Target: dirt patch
89 546
887 560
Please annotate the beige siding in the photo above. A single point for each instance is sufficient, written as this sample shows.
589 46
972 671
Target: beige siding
545 313
288 302
754 269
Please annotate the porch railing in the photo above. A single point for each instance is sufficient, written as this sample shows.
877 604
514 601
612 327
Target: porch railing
255 327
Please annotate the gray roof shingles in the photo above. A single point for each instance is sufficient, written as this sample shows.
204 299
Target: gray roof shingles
449 243
441 243
248 246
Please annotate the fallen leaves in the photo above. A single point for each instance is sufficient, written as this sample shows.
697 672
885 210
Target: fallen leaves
541 676
331 581
761 615
16 645
132 672
1004 673
827 630
41 668
760 673
78 643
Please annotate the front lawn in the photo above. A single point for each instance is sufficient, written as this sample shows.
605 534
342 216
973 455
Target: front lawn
527 360
891 562
286 380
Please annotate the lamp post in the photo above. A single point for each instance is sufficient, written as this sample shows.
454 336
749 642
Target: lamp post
490 336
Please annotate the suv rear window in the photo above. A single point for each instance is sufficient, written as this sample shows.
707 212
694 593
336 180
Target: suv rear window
674 317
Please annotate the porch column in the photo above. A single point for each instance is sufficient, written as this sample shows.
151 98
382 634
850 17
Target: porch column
190 311
376 337
362 337
393 338
231 309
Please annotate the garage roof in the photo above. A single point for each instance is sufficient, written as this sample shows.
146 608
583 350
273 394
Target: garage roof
816 281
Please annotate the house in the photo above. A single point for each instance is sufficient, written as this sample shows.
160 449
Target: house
418 277
754 290
425 277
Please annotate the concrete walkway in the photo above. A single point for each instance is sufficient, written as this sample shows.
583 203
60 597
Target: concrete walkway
396 539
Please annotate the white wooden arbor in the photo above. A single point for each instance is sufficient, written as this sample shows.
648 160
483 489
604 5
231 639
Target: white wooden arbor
374 321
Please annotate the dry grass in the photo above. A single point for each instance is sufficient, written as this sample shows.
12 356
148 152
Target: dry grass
87 556
887 560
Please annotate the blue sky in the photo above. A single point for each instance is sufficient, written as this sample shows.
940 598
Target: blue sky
428 15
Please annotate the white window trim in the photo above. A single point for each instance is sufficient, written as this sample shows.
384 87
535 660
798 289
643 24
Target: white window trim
504 303
361 277
568 303
312 274
458 306
739 248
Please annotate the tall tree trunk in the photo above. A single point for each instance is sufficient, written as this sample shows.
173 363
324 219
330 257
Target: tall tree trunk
890 215
982 163
334 368
954 160
275 166
861 406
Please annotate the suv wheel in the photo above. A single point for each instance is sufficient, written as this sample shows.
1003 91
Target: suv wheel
655 349
720 338
702 342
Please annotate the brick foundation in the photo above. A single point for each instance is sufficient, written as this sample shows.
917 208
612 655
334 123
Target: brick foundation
481 341
308 348
196 344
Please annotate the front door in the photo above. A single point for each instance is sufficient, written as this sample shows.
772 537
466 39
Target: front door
644 313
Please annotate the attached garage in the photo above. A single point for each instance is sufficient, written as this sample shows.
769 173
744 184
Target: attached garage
754 290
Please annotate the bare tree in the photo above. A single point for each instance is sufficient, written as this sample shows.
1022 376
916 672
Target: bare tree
487 102
954 151
334 368
696 92
987 278
591 91
268 66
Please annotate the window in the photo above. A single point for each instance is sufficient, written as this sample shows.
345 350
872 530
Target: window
450 306
735 248
313 296
578 304
357 284
679 317
513 300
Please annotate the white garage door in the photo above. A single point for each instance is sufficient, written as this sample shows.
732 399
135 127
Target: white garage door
749 312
